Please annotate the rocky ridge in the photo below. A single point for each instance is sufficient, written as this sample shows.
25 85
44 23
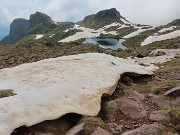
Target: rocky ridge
38 23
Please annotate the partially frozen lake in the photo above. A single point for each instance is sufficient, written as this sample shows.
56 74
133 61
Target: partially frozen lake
112 43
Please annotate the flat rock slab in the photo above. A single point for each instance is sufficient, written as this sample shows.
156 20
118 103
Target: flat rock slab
51 88
174 92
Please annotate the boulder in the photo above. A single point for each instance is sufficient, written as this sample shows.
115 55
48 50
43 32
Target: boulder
132 107
157 115
176 102
152 129
135 94
143 53
112 104
158 100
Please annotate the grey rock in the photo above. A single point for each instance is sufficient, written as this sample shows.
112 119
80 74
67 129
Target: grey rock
120 128
176 102
127 126
152 129
135 94
157 115
132 107
112 104
158 100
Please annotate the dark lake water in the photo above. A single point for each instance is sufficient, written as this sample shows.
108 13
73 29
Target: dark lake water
111 43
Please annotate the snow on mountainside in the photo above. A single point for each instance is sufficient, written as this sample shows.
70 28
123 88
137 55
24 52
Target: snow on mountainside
157 37
88 33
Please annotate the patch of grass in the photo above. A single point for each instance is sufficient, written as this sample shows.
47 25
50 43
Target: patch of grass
58 33
173 119
154 86
125 31
170 66
91 124
6 93
27 38
113 28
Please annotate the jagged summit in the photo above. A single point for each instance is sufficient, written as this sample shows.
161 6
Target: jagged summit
102 18
18 29
175 23
40 23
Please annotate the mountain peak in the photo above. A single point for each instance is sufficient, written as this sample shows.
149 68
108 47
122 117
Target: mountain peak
40 23
37 24
102 18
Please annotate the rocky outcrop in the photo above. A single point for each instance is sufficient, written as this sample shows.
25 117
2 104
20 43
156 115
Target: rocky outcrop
174 23
132 107
102 18
40 23
18 29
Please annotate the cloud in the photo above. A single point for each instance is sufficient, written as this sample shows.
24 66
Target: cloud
153 12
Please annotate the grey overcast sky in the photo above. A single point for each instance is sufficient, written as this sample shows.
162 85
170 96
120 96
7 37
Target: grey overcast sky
153 12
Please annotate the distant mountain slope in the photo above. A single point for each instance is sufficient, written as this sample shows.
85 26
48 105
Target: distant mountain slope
18 29
102 18
175 23
38 23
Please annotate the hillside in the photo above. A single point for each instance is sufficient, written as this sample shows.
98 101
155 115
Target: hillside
54 83
102 18
18 29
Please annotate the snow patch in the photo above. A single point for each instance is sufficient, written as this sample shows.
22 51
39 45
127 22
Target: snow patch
167 29
170 54
51 88
39 36
89 33
155 38
135 33
66 30
111 25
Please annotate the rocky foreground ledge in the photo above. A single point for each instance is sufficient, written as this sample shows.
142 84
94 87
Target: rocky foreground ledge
51 88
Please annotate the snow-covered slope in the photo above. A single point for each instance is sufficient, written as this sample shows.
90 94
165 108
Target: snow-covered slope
50 88
167 29
133 34
157 37
89 33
